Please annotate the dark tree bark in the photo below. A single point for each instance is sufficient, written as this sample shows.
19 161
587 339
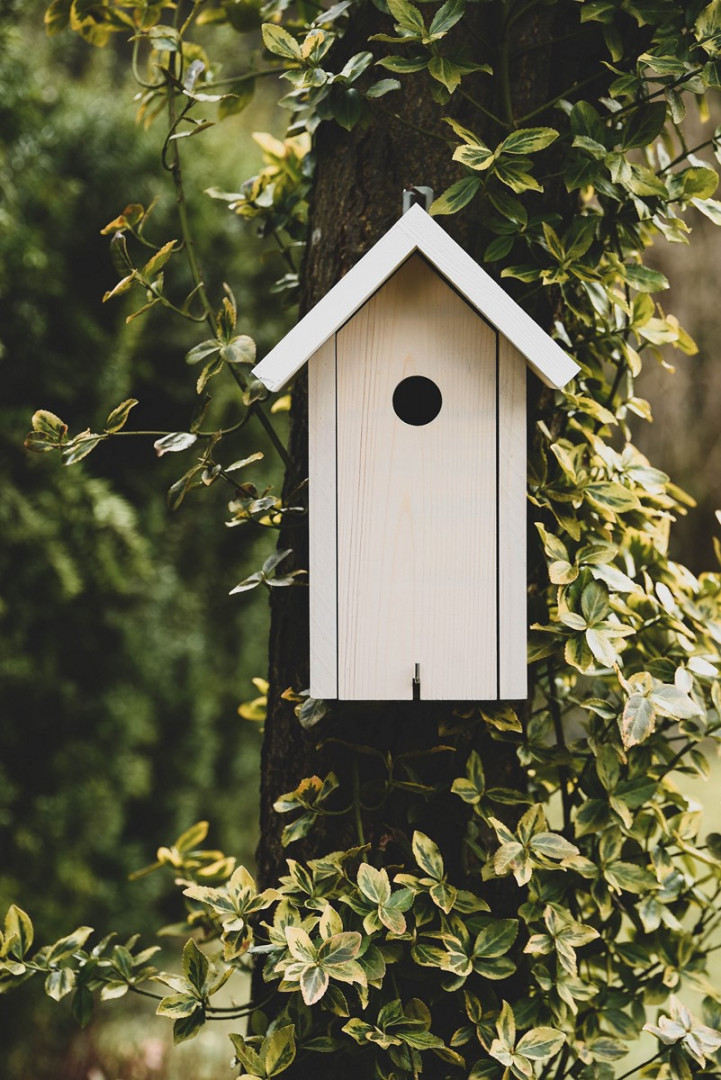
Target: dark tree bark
357 196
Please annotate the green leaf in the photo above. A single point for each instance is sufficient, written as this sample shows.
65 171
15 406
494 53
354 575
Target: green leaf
248 1058
710 207
446 17
177 1006
456 196
420 1040
313 984
57 16
193 836
164 38
514 173
528 140
278 41
644 279
59 983
188 1027
592 817
602 646
552 845
672 702
475 157
155 264
404 65
500 967
611 496
445 71
638 721
214 367
496 938
628 876
382 87
645 124
443 896
278 1051
540 1044
699 182
355 67
81 446
82 1005
18 933
347 107
374 883
607 1049
239 350
408 16
238 97
427 855
66 946
118 417
195 966
339 949
498 248
48 423
506 1026
594 603
203 351
39 442
174 442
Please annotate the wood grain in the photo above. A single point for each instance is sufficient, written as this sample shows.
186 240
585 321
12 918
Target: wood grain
417 505
322 517
512 572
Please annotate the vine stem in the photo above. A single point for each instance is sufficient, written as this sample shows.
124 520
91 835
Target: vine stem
555 711
357 805
409 124
174 167
270 430
637 1068
559 97
505 76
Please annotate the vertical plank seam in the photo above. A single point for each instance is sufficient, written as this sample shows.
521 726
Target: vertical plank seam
498 523
337 500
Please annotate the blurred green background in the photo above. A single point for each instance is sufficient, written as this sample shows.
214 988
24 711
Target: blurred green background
122 657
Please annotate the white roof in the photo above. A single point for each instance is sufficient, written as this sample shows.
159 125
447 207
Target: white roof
416 231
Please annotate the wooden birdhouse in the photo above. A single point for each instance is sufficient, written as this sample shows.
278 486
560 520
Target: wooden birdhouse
417 472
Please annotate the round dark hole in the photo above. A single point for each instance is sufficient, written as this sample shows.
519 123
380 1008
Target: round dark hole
417 400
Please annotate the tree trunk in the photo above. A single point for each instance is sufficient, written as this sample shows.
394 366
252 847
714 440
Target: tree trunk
357 196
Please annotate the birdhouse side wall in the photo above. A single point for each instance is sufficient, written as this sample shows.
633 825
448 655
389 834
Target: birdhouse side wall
512 555
322 512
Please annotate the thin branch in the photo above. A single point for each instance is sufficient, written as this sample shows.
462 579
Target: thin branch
409 124
637 1068
559 97
257 409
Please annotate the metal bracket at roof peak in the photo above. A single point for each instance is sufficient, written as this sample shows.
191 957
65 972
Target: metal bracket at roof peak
417 195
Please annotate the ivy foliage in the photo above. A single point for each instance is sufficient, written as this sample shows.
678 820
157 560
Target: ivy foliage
584 907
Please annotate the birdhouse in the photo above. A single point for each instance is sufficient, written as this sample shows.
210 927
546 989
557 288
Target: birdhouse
417 472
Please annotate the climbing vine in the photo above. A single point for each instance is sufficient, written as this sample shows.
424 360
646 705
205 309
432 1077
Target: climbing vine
585 906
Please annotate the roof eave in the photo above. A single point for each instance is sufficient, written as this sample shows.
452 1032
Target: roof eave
415 231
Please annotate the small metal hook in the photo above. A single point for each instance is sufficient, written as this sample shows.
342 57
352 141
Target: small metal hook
419 194
416 682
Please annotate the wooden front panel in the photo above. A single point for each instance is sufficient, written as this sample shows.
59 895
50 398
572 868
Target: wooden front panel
417 505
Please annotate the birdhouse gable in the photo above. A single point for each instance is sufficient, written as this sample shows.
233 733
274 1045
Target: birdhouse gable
417 232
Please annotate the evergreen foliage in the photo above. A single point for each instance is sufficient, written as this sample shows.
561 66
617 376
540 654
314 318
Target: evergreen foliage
584 905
